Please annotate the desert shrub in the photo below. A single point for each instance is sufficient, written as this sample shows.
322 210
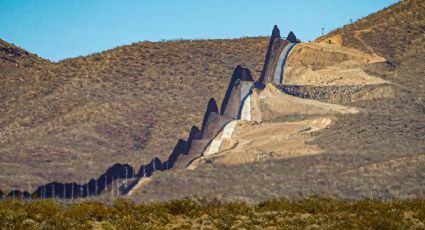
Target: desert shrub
28 215
313 212
84 214
126 222
272 204
182 207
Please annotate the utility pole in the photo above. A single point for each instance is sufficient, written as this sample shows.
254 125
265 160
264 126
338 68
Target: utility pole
323 31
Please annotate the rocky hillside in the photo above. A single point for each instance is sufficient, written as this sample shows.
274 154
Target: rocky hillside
391 32
376 153
11 54
70 121
398 34
19 71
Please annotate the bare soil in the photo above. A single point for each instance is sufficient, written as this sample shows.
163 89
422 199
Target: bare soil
322 64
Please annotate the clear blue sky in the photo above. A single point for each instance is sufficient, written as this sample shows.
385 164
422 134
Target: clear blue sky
59 29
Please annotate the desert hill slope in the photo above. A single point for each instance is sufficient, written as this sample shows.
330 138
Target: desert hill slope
390 32
70 121
397 33
20 71
12 54
376 153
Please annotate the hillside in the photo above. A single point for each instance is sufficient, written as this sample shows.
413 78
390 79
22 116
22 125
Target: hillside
398 34
376 153
11 54
20 72
70 121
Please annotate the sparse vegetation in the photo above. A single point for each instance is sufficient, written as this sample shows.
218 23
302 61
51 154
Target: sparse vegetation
390 32
309 213
124 105
132 102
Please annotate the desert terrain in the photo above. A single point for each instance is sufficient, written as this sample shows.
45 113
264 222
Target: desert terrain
338 143
346 122
372 150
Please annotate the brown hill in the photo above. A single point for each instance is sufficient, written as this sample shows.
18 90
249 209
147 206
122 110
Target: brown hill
19 73
376 153
11 54
70 121
397 33
390 32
